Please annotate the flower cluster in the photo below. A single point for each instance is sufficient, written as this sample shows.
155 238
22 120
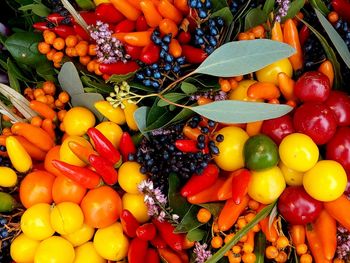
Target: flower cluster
282 10
109 49
213 95
201 252
120 94
343 243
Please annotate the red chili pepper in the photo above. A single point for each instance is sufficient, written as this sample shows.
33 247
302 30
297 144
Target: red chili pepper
125 26
104 168
304 34
169 256
55 18
146 231
89 17
129 223
166 230
342 7
187 146
106 12
240 182
198 183
104 147
119 68
126 146
81 175
152 256
184 37
141 24
158 242
40 26
193 55
150 54
81 151
137 250
78 30
133 51
64 31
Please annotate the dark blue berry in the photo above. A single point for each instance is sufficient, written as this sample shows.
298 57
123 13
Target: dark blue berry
219 138
205 130
140 76
157 75
202 13
154 66
176 69
201 138
193 3
3 221
214 150
181 60
167 38
167 67
2 148
147 82
199 32
131 157
169 58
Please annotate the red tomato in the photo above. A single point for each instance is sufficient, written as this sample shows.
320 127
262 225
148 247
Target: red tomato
339 102
53 154
66 190
36 188
338 148
101 207
278 128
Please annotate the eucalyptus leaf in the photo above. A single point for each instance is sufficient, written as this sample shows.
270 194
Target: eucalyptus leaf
234 111
140 116
268 6
189 221
195 235
243 57
272 216
255 17
320 6
177 202
294 9
173 97
188 88
225 13
214 208
88 100
120 78
336 39
69 79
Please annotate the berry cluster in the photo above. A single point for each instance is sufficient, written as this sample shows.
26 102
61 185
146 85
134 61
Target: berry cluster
211 94
167 67
236 5
208 33
5 237
3 160
202 7
57 7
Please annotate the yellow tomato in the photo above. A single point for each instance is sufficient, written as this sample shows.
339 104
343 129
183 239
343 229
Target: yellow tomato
135 204
110 242
23 249
114 114
55 250
66 218
240 93
81 236
129 111
35 222
66 155
129 177
112 131
87 253
231 149
267 185
326 181
19 157
8 177
270 72
292 177
78 120
298 152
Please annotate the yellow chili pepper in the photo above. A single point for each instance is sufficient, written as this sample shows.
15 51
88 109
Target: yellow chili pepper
19 157
129 109
8 177
113 114
276 32
327 68
98 2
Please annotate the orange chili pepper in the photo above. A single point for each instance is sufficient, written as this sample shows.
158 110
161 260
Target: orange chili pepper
315 244
276 32
135 3
127 9
326 229
168 10
248 246
225 192
151 13
339 210
263 90
169 256
37 136
191 133
203 101
175 48
297 233
49 127
270 232
34 152
139 39
43 110
286 85
230 213
254 128
168 26
182 5
208 195
327 68
291 37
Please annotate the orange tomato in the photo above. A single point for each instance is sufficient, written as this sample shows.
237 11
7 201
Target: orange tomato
36 188
101 207
66 190
53 154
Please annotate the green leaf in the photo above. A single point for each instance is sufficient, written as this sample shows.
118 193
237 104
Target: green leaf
39 9
162 120
140 116
178 203
320 6
15 71
225 13
173 97
243 57
88 100
195 235
189 221
14 83
218 4
214 208
255 17
268 6
259 216
336 39
23 48
188 88
85 4
294 9
234 111
184 114
141 87
260 246
120 78
69 79
46 71
155 112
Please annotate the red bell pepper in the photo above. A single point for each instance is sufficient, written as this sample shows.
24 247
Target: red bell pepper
240 182
81 175
129 223
146 231
304 34
133 51
126 146
184 37
137 250
119 68
106 12
150 54
342 7
141 24
198 183
125 26
186 146
78 30
193 55
104 147
166 230
152 256
104 168
81 151
55 18
64 31
158 242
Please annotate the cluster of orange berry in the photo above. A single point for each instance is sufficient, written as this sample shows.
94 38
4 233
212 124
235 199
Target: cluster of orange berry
228 84
253 33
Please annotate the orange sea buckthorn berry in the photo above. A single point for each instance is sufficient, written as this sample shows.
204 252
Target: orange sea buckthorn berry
203 215
225 85
236 249
239 78
281 257
248 258
91 66
44 48
233 258
215 227
258 31
50 54
36 121
271 252
61 114
92 50
301 249
59 43
251 36
97 71
338 260
106 76
256 228
282 242
49 37
49 87
84 60
233 83
62 127
216 242
50 99
42 98
243 239
59 104
6 131
307 258
57 57
253 205
249 217
333 17
57 64
241 222
243 36
28 91
82 48
63 97
38 92
71 41
228 237
187 244
6 118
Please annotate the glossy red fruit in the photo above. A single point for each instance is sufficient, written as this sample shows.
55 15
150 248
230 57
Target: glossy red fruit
141 24
338 148
315 120
278 128
297 207
146 231
312 86
339 102
106 12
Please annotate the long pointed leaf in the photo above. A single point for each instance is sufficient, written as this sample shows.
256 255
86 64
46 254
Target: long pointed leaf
69 79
